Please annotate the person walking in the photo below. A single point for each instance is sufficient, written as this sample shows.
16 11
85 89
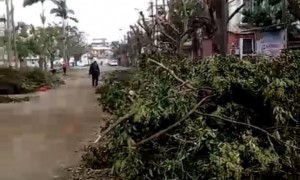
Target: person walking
95 72
65 67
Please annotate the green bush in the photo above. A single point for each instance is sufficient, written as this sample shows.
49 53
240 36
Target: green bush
25 81
247 128
12 81
39 77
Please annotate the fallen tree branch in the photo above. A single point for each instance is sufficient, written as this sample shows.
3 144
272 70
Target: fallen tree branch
111 127
172 73
245 124
124 118
235 12
130 98
168 36
181 140
156 135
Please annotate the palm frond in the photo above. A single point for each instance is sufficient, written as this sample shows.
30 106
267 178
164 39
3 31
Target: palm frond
73 19
31 2
70 11
55 11
58 3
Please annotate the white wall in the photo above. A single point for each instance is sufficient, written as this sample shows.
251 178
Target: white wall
236 20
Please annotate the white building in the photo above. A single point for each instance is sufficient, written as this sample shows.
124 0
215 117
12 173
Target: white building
100 48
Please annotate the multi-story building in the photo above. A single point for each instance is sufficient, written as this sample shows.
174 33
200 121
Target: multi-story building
100 48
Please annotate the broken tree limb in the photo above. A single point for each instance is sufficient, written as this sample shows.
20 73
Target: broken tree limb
164 32
111 127
156 135
235 12
245 124
172 73
125 117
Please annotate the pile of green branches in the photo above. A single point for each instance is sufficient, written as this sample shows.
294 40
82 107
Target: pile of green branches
42 78
219 118
26 80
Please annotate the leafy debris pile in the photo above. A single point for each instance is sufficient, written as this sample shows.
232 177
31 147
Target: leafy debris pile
8 99
219 118
83 173
25 81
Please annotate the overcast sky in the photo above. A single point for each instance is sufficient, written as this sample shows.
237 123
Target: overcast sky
98 18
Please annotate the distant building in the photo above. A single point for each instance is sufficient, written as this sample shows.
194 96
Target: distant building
99 48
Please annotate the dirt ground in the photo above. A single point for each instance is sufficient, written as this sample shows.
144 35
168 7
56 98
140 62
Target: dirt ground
41 137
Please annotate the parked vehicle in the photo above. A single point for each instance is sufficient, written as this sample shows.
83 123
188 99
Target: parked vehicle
113 63
57 66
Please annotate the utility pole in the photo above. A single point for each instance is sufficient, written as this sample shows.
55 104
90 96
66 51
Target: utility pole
8 30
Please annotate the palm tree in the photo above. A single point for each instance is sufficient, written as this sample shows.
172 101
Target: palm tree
51 35
31 2
63 12
43 19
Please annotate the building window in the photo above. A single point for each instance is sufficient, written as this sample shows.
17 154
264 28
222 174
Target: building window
246 46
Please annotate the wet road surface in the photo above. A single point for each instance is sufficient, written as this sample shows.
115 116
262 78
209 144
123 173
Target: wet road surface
40 137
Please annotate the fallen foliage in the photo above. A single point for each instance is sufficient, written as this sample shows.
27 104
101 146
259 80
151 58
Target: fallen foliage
7 99
219 118
83 173
25 81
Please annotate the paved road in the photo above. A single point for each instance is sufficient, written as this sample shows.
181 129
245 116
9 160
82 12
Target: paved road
102 68
39 137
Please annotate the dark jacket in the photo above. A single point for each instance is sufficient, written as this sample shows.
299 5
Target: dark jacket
94 69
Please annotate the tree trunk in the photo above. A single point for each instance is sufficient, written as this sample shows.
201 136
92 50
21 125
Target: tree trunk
23 64
8 21
294 8
14 35
52 61
223 31
41 59
64 40
45 63
65 37
43 18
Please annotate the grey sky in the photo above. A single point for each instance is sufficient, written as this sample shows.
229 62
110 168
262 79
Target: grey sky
98 18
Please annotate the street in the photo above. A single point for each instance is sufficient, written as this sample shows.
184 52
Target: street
40 137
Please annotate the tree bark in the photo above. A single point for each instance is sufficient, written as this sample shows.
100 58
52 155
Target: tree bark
52 61
8 21
294 8
42 55
41 63
223 28
65 40
45 63
14 34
